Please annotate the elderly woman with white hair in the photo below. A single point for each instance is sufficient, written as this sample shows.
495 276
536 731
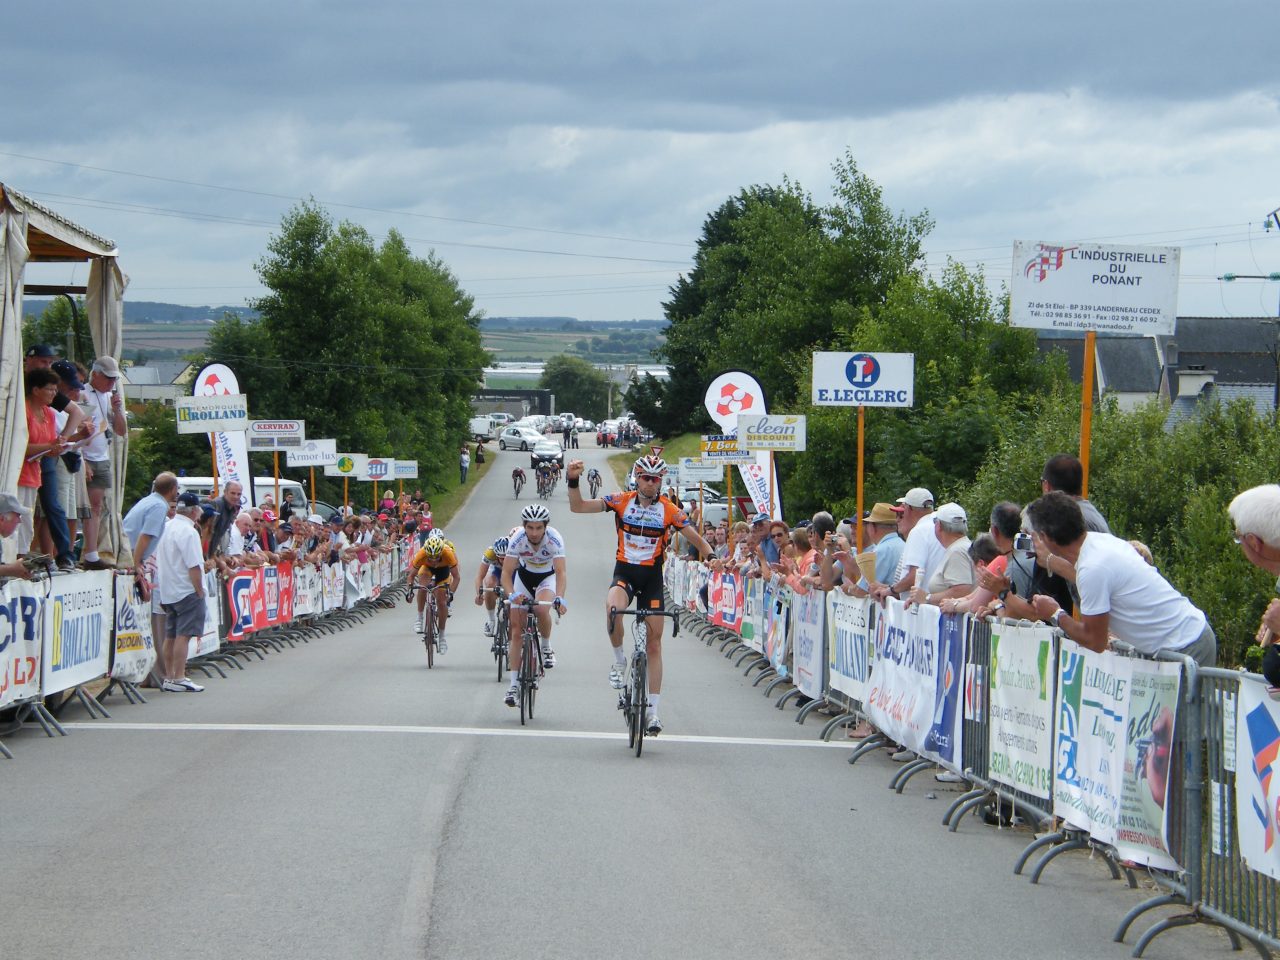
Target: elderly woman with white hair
1256 515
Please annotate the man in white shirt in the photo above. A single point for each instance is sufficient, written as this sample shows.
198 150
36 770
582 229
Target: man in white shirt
922 553
11 514
180 589
106 409
1120 593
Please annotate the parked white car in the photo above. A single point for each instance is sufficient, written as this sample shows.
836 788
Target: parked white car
519 438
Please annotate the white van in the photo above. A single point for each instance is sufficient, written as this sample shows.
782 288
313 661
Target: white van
262 487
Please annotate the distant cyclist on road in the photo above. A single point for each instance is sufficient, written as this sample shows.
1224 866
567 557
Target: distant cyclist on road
517 479
534 554
644 519
594 480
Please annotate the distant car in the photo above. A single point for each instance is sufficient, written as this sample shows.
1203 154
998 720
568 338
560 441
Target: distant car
520 438
546 451
587 426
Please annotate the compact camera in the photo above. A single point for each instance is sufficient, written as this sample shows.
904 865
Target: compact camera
1022 542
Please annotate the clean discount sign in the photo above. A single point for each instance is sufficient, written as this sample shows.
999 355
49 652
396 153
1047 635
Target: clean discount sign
864 379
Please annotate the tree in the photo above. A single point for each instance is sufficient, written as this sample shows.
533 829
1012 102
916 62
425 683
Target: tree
578 386
369 344
53 326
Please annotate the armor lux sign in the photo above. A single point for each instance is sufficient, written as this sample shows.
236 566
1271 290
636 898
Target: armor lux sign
782 432
259 599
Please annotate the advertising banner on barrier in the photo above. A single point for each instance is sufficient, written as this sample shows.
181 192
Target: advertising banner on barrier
78 615
808 641
849 644
21 625
135 651
331 586
725 598
753 614
777 624
1115 730
351 584
1257 752
306 590
916 680
211 639
1021 703
259 599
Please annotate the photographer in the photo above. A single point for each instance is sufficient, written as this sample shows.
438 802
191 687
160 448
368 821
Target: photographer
106 410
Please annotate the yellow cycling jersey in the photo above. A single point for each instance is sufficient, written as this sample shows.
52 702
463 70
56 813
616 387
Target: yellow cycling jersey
448 558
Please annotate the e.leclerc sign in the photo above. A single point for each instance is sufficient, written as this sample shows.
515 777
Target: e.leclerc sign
864 379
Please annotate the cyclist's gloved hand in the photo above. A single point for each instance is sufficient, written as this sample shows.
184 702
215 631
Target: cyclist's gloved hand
560 605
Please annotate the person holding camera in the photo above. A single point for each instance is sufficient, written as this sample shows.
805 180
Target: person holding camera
106 409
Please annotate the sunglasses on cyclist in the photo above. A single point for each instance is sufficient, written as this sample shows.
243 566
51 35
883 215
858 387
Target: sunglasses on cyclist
647 476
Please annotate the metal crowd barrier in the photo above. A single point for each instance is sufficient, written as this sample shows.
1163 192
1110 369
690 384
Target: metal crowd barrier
1211 876
60 633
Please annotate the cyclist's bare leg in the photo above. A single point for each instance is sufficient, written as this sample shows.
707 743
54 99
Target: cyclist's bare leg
616 599
544 617
423 583
654 648
442 606
515 639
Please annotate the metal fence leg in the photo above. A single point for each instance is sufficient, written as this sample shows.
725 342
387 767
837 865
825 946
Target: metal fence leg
1033 846
4 751
962 805
768 691
807 709
899 781
833 723
1079 843
90 704
867 745
785 696
767 672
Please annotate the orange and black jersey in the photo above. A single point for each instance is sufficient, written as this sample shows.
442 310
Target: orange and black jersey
643 530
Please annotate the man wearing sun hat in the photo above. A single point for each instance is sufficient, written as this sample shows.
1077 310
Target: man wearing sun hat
12 513
880 527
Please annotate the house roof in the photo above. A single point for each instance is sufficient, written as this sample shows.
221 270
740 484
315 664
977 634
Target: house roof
160 372
1261 395
1128 364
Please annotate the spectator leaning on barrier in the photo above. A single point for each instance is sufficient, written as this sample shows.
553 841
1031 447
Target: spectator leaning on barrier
180 588
1256 515
228 509
1120 593
954 576
1065 474
922 552
11 515
145 521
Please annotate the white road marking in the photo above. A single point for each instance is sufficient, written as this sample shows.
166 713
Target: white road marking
433 731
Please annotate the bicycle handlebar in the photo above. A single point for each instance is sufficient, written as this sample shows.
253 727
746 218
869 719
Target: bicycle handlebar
643 615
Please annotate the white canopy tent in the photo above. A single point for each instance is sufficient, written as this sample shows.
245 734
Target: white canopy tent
32 233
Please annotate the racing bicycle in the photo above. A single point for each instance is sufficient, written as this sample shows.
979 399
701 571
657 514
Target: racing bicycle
633 699
430 637
593 481
517 481
501 631
530 670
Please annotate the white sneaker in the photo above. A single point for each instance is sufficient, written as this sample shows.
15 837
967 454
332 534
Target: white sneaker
441 645
902 756
548 658
488 629
173 686
512 694
947 776
191 685
617 675
417 626
653 726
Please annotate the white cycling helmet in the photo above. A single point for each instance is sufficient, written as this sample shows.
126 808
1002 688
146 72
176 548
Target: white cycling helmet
500 546
651 466
435 534
535 513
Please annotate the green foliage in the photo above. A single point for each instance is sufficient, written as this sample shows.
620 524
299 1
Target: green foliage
1169 490
369 344
579 387
156 445
53 325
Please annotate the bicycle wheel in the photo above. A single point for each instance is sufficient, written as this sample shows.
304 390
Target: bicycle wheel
429 632
640 697
525 678
536 670
500 644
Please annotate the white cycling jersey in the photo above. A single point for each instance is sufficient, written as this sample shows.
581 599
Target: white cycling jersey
540 558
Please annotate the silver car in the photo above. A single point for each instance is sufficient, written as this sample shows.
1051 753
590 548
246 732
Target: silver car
519 438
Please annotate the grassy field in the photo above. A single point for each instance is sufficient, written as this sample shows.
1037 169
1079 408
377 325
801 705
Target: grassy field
496 382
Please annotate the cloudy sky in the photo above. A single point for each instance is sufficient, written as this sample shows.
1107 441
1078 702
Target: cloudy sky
561 157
